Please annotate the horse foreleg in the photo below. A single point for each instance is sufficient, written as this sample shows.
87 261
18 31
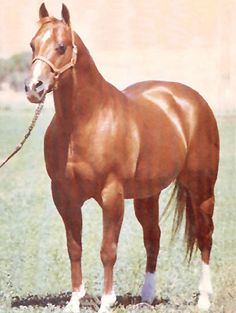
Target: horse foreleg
69 208
73 233
146 211
113 211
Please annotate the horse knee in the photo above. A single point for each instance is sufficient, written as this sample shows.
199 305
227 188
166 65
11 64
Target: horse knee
74 255
74 250
108 254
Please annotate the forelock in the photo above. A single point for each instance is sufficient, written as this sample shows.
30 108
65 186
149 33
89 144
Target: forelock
48 19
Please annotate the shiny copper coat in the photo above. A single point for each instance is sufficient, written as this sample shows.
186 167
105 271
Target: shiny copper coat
111 145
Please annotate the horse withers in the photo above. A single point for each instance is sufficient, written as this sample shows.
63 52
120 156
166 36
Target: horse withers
112 145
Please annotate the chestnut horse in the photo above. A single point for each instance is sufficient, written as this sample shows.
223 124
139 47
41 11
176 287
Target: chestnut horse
112 145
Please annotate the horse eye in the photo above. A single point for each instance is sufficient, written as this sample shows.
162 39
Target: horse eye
61 48
32 46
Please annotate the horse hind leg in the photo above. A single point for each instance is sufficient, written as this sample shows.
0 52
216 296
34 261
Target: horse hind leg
199 227
146 211
204 237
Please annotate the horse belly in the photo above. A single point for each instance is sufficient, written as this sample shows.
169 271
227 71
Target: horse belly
154 173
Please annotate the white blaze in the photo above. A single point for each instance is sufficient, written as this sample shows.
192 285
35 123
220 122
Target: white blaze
38 67
47 35
38 64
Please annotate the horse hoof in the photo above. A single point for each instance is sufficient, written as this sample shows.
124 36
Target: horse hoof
204 302
69 309
72 307
148 298
143 306
148 295
107 302
104 310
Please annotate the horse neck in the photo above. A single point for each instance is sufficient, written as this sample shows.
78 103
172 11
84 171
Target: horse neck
80 94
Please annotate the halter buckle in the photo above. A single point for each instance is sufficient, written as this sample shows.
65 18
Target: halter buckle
56 75
74 55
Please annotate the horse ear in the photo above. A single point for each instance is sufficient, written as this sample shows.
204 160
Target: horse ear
43 12
65 14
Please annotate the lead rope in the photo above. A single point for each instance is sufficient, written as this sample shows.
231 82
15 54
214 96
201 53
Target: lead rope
31 127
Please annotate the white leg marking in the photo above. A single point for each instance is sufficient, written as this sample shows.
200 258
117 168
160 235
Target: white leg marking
74 304
107 302
148 291
205 288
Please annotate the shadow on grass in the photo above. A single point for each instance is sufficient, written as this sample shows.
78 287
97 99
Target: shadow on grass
88 301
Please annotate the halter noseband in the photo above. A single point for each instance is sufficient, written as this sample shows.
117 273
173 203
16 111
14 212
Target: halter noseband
56 70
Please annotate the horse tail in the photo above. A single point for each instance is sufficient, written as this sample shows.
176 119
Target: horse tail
183 207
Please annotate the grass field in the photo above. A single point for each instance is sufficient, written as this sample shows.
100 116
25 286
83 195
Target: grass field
33 255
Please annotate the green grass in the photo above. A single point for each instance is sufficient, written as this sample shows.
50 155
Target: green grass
33 255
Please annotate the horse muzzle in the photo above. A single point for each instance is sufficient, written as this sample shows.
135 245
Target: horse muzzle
36 90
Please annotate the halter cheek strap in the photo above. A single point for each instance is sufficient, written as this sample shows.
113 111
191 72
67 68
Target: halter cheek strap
56 70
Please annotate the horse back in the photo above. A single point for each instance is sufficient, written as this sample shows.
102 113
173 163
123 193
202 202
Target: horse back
184 107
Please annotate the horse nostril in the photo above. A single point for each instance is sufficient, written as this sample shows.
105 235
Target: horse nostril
39 87
39 83
27 88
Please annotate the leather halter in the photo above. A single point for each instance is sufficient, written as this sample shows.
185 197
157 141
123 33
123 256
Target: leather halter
58 71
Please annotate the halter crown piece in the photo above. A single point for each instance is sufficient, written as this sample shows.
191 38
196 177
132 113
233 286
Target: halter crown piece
59 71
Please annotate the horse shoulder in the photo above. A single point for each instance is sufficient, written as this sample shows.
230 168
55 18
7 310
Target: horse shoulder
55 149
110 140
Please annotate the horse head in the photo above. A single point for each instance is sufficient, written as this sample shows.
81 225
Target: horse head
54 52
